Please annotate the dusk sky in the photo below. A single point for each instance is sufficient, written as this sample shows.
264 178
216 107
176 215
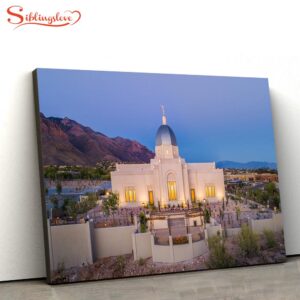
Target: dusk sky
214 118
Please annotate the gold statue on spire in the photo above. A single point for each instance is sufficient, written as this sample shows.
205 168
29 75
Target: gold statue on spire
164 118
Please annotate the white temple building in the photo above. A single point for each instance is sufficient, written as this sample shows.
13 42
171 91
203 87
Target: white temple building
168 179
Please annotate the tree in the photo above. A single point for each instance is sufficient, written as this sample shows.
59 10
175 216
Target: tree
207 215
66 203
238 212
54 202
58 187
111 204
222 214
264 197
91 200
72 209
271 188
276 201
143 222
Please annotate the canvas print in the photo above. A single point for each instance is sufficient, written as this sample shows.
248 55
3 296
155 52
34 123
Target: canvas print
146 174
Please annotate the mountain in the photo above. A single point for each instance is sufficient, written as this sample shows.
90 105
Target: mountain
248 165
66 142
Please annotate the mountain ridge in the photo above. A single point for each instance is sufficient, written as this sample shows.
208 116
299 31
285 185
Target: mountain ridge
247 165
67 142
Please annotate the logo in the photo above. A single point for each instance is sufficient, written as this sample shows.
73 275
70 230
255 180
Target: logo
19 17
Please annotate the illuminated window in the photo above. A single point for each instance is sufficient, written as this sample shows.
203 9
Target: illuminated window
193 195
210 191
172 190
130 194
151 198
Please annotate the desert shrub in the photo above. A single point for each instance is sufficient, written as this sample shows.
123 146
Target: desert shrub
143 222
119 266
270 238
218 257
141 261
178 240
248 241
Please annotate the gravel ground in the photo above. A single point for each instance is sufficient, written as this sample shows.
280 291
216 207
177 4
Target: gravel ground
125 266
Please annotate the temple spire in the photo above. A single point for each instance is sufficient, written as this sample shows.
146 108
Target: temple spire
164 118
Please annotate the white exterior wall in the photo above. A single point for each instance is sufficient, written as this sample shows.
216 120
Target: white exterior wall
113 241
141 245
176 253
70 245
166 151
154 176
232 231
183 252
200 248
161 253
212 230
139 176
202 174
164 168
274 224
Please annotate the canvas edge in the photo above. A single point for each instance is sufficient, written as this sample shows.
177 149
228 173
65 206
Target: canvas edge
39 144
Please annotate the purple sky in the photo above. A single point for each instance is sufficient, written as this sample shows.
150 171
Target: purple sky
214 118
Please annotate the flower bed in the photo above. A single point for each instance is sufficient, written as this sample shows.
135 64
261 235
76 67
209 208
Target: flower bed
179 240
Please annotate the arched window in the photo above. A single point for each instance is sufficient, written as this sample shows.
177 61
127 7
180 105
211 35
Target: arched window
130 194
172 193
210 191
193 195
151 197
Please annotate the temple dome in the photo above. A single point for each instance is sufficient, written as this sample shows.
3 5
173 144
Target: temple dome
165 136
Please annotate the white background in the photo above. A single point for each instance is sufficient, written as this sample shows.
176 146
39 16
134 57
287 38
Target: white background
239 38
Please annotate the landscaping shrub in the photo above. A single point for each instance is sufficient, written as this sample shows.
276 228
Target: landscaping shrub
218 257
248 241
143 222
270 238
141 261
180 240
119 266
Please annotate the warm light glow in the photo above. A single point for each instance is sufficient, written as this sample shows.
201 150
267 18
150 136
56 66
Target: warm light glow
151 198
130 194
220 196
193 195
210 191
172 190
